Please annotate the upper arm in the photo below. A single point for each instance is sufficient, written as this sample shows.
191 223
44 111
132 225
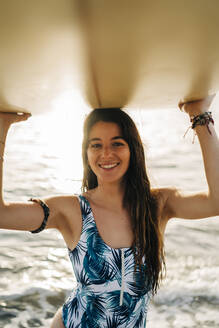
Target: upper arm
29 216
179 204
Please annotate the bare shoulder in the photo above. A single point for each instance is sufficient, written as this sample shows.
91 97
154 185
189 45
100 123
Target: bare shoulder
163 195
59 201
64 209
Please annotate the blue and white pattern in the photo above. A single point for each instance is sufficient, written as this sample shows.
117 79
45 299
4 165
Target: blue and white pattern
109 294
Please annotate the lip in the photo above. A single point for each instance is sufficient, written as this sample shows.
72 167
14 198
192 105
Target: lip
108 166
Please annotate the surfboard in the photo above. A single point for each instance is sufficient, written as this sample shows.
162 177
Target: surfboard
118 53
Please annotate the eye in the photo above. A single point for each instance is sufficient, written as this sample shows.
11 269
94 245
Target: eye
95 145
118 144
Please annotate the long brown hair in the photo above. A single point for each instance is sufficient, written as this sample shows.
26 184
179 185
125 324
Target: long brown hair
139 199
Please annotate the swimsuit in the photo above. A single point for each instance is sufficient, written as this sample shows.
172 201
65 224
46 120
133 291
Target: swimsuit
108 294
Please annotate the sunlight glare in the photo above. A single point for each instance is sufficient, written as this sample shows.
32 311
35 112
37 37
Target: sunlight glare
63 129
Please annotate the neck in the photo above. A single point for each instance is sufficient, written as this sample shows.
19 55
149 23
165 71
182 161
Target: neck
112 191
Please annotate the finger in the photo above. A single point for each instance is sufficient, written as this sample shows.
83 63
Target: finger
207 101
211 97
181 104
23 116
15 113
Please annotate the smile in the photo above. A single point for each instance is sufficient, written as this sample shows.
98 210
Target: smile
108 166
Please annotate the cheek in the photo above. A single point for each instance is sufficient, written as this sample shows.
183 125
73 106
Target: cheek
90 156
128 160
128 154
126 157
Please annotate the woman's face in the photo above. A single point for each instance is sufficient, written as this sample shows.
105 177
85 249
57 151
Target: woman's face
108 153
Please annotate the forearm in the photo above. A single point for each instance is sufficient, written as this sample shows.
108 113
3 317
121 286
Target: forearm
208 141
210 151
3 135
6 119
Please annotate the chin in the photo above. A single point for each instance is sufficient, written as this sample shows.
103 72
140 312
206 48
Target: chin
116 180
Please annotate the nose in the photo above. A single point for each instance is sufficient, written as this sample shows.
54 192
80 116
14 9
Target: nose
106 151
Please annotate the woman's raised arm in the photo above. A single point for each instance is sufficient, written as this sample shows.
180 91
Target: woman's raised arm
202 204
21 216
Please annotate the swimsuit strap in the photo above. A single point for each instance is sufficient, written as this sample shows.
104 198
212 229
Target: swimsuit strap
86 209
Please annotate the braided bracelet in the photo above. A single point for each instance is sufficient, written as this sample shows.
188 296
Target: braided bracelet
202 119
46 214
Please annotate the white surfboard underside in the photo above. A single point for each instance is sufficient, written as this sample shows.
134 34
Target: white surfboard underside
137 54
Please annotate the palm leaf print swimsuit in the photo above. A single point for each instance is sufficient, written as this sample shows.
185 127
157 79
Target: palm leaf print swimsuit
108 294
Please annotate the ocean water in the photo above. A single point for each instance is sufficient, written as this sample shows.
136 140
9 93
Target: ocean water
43 157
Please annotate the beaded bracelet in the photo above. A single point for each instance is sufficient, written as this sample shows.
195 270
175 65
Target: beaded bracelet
202 119
46 214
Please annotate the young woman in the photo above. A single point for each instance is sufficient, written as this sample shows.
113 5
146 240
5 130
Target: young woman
114 230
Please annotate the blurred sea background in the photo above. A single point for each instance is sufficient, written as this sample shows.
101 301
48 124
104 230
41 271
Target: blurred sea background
43 157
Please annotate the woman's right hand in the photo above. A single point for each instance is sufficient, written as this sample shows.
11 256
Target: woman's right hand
8 118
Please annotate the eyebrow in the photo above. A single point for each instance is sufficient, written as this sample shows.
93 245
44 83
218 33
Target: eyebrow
99 139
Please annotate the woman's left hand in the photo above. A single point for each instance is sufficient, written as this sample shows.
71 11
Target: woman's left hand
196 107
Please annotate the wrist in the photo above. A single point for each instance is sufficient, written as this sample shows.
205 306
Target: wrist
203 119
194 113
3 133
2 147
196 107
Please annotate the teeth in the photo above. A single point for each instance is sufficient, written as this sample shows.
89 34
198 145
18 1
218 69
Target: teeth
109 166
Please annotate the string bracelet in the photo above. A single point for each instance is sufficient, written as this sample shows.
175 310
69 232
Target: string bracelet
2 142
201 119
46 214
2 158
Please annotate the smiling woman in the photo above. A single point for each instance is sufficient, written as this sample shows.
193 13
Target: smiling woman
132 160
109 256
114 229
108 153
